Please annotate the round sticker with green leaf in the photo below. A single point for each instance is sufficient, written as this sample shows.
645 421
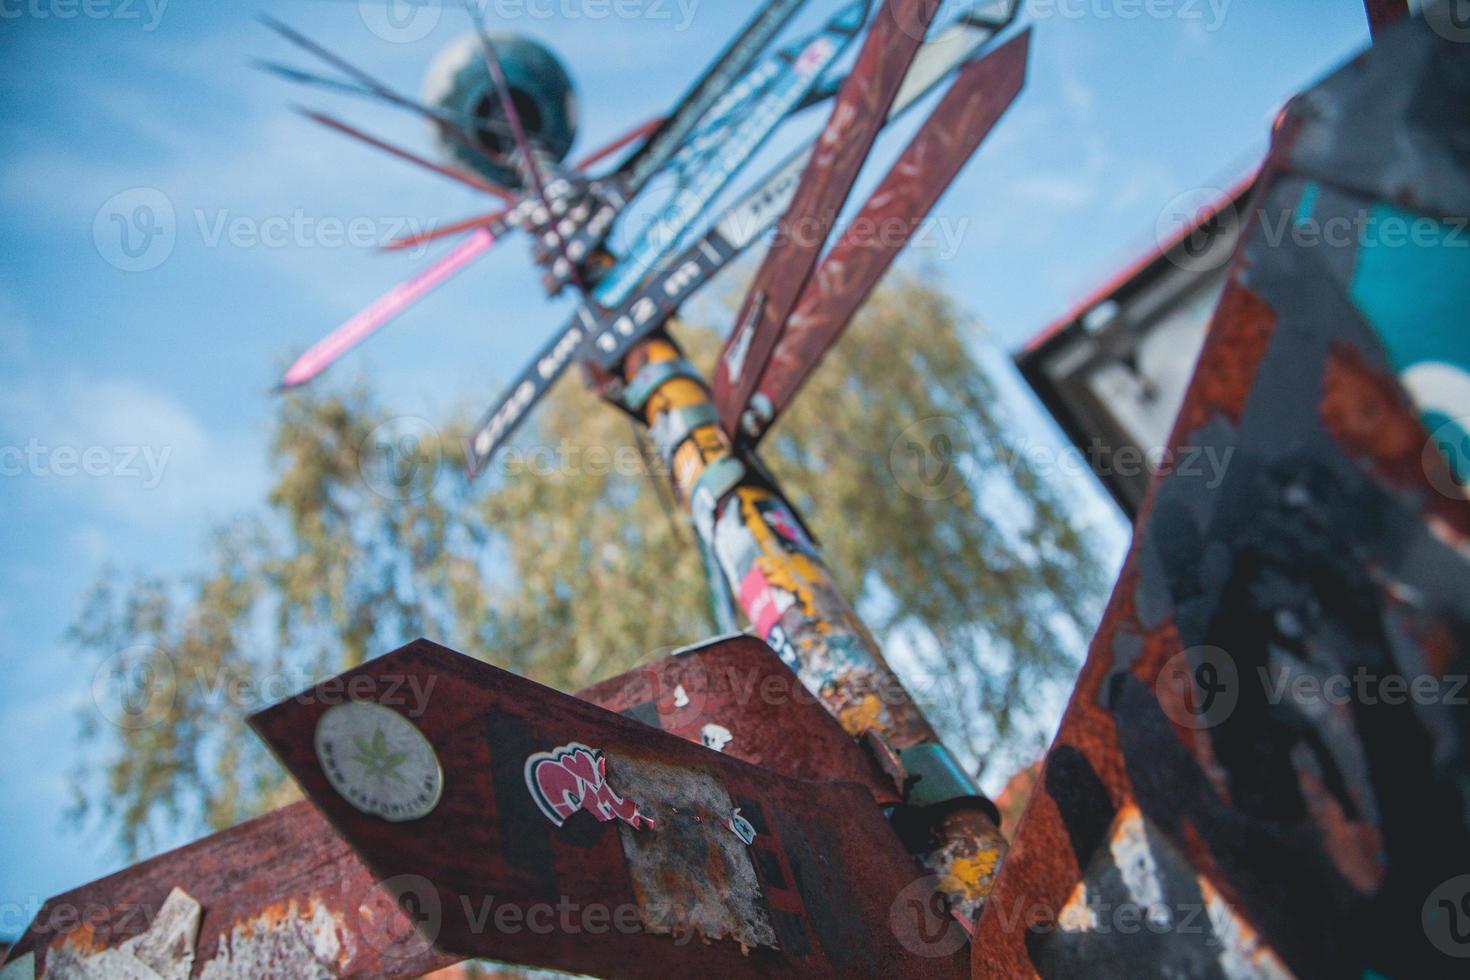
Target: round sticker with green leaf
379 761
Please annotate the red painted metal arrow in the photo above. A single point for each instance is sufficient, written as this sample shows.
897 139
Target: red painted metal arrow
563 835
858 113
976 100
304 878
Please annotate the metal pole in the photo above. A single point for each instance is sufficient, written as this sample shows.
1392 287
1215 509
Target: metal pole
776 574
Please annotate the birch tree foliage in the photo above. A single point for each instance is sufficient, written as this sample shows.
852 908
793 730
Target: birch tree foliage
569 563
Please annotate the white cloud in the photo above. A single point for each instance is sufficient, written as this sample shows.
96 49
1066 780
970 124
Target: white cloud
1079 97
15 341
122 449
1055 190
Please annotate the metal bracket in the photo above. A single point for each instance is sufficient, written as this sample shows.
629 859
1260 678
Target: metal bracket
653 376
718 479
934 776
670 429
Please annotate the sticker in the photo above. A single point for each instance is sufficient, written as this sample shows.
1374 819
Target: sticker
715 736
702 881
681 697
735 546
763 603
378 761
779 518
777 640
742 827
573 777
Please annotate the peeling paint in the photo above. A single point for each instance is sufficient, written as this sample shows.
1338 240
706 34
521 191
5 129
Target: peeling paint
688 874
282 942
741 827
715 737
164 952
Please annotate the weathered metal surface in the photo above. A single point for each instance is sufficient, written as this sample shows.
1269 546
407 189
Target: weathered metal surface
1382 13
249 878
653 877
1265 767
981 93
775 571
858 112
280 893
738 686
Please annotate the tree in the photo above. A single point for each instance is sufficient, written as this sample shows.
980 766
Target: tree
569 566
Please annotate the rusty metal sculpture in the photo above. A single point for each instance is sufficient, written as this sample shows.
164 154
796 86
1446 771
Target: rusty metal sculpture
1209 808
1263 769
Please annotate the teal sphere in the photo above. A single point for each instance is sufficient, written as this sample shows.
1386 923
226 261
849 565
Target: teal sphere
459 83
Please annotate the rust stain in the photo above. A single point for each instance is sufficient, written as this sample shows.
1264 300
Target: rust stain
1355 847
1364 411
1367 413
1237 341
862 714
691 876
163 951
285 939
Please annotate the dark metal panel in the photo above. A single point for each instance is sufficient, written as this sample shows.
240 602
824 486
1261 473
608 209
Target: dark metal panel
271 876
1244 783
858 112
659 860
737 693
980 94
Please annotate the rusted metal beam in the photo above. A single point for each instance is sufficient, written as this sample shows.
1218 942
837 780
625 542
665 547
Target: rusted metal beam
1382 13
1263 770
775 572
858 113
518 823
268 886
974 103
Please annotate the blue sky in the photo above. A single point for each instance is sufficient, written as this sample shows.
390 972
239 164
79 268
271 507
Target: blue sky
164 374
